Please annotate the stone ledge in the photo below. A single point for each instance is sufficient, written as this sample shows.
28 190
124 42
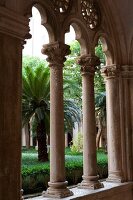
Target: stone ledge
110 191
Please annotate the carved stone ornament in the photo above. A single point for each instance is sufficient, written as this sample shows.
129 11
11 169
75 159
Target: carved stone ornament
110 71
56 53
61 6
90 13
88 63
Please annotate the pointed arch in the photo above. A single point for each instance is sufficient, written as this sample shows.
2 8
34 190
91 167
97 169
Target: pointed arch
106 47
81 32
48 17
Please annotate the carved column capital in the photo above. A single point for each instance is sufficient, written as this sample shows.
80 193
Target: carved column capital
110 71
88 63
56 53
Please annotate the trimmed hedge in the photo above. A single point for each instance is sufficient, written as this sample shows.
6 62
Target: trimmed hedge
35 175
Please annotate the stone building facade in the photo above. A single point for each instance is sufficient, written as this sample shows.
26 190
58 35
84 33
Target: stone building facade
107 20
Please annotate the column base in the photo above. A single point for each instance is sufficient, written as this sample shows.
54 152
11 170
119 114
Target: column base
57 190
115 177
90 182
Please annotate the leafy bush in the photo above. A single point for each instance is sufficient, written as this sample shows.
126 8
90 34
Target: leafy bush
69 152
77 144
35 175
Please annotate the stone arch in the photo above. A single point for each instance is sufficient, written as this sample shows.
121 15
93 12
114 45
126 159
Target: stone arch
109 10
48 17
106 47
80 32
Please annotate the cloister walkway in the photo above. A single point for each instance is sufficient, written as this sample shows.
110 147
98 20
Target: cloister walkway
93 20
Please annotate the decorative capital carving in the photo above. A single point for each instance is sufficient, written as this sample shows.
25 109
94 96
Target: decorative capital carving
111 71
88 63
56 53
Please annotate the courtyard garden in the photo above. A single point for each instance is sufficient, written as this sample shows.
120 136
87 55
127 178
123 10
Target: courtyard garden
35 174
36 114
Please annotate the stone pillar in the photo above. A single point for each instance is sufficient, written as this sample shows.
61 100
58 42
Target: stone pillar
90 178
56 53
111 74
126 116
10 117
13 29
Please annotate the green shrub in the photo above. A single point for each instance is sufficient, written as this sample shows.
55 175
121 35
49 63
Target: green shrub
35 175
77 144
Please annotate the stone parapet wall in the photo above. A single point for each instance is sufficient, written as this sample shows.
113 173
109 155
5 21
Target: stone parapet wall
111 191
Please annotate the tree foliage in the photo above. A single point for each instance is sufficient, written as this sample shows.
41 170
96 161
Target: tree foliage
72 75
36 96
74 84
35 102
36 88
99 81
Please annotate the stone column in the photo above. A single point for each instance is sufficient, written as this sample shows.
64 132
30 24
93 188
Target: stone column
13 29
10 117
90 178
111 74
56 53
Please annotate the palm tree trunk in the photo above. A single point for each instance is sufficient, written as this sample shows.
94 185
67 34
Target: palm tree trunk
27 136
99 134
42 146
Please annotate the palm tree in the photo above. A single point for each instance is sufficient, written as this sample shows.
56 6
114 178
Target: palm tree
36 106
72 114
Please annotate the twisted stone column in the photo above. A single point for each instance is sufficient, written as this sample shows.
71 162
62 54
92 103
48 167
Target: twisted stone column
56 53
111 75
90 178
